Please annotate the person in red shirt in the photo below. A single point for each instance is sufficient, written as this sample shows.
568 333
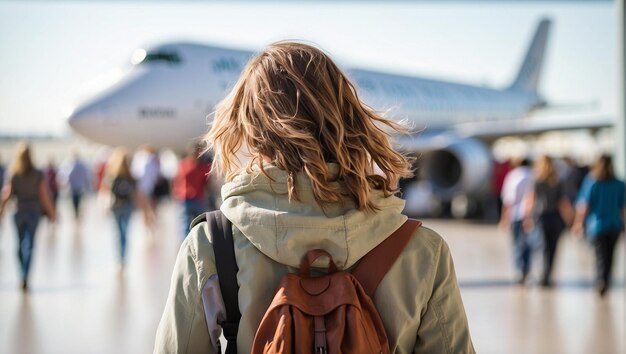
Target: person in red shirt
50 174
190 185
500 170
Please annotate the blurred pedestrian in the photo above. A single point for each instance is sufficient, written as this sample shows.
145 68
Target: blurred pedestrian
517 184
3 172
571 178
75 175
600 208
103 198
500 170
102 158
51 176
27 186
119 182
146 169
51 173
550 209
191 185
162 189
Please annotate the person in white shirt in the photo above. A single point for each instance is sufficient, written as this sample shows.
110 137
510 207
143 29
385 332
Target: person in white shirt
517 184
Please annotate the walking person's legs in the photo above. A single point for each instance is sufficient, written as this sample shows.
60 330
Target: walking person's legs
26 224
601 247
611 241
20 226
521 251
552 228
122 219
76 203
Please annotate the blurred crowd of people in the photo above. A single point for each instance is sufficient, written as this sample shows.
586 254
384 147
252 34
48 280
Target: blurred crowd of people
123 184
539 203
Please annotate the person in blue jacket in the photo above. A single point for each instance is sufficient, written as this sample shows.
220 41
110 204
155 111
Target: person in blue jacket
600 211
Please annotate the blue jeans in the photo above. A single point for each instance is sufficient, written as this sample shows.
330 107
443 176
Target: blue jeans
26 223
522 248
122 217
191 209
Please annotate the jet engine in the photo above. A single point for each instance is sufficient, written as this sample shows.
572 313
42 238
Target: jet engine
458 175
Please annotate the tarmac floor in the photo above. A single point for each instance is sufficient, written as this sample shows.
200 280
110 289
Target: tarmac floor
79 303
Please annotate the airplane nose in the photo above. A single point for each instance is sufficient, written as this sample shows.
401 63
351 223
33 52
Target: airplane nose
83 118
90 119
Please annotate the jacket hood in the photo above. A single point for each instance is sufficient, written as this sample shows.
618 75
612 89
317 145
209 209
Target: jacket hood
285 230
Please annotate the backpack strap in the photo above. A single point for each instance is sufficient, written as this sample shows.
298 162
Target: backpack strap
224 249
374 265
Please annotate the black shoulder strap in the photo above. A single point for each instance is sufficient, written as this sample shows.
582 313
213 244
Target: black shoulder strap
224 249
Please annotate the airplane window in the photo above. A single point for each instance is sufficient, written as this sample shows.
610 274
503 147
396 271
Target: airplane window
165 57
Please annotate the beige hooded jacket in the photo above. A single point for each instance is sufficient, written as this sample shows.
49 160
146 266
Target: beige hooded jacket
418 299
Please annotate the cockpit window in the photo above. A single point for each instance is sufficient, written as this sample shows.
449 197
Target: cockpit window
143 57
168 57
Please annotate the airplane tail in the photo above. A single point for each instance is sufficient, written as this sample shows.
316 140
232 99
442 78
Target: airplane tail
528 76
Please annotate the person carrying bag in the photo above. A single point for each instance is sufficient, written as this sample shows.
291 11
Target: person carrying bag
309 195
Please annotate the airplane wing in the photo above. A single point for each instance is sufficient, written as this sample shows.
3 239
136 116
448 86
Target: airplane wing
431 139
489 130
426 140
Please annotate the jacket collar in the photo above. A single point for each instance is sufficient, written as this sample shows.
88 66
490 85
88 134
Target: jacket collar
285 230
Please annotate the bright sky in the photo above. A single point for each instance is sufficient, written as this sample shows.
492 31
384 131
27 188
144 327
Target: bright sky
52 53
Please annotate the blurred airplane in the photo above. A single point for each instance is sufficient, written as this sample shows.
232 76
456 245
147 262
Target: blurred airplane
164 99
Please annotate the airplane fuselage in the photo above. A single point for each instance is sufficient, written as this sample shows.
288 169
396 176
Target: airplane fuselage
167 100
167 104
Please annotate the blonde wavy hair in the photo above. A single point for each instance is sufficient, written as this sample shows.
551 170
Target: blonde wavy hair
118 164
23 162
293 106
545 171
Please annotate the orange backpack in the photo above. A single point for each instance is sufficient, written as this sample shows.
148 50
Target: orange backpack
332 313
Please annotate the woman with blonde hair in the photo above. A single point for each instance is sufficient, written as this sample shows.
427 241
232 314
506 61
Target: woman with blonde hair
28 186
298 151
121 186
549 207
